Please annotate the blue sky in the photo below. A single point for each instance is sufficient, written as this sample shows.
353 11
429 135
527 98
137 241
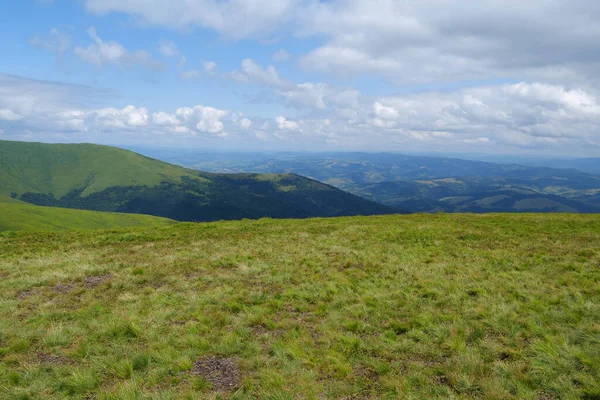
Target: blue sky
480 76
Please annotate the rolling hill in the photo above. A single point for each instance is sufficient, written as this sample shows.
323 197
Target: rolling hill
18 216
103 178
446 306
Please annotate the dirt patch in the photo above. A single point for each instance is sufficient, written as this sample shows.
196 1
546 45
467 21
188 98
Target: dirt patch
26 293
365 373
93 281
222 373
63 287
53 359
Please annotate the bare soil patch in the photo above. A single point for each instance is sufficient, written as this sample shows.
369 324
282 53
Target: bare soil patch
93 281
222 373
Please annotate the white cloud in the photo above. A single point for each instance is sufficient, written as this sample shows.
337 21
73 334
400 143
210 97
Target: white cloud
407 42
210 67
245 123
9 115
190 75
57 42
162 118
303 96
168 49
102 53
253 73
412 41
286 125
129 116
518 114
502 117
230 18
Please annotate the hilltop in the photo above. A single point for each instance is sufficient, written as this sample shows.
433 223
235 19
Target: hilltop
420 306
103 178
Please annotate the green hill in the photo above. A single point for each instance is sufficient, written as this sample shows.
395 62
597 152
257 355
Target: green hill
390 307
102 178
60 168
19 216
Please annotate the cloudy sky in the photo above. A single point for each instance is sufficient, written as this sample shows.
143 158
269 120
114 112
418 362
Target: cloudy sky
479 76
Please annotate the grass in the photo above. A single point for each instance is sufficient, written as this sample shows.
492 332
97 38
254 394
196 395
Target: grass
416 307
60 168
19 216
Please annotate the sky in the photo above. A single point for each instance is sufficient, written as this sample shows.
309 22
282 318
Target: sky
469 76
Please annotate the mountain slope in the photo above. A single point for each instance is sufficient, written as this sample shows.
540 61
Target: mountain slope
19 216
105 178
60 168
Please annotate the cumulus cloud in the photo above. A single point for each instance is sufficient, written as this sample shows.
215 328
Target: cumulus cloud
286 125
47 109
509 116
245 123
102 53
210 67
520 114
252 73
127 117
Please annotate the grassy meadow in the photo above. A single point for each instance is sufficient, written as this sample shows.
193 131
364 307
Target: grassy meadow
18 216
412 307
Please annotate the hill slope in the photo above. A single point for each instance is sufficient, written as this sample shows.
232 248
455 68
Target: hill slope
393 307
19 216
60 168
105 178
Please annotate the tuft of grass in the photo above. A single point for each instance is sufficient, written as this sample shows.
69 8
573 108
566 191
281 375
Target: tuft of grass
420 306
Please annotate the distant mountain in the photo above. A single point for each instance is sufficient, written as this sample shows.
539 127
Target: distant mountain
589 165
423 183
479 196
16 215
104 178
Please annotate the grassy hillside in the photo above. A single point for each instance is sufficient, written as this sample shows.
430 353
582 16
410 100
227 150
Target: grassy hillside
421 307
60 168
102 178
18 216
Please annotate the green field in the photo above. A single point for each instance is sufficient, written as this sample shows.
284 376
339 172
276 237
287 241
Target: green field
18 216
398 307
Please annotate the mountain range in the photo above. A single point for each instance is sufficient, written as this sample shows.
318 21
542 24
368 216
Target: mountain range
421 183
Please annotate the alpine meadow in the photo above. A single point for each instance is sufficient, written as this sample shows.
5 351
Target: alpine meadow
300 200
424 306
